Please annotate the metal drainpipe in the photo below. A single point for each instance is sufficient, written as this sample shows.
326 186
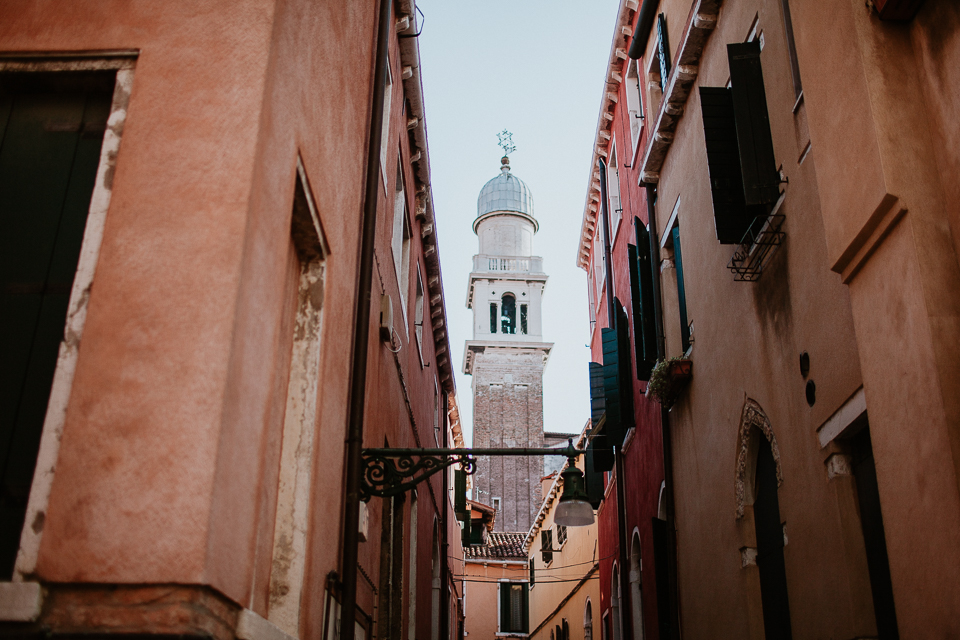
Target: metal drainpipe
672 585
361 335
626 621
444 542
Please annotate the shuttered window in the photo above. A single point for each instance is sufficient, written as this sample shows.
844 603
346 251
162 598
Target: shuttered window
761 180
744 180
617 378
51 130
730 212
514 598
681 291
663 50
546 546
641 293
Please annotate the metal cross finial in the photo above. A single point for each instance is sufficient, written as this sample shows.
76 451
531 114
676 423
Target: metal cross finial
505 140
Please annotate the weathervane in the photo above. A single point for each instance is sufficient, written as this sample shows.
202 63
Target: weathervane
505 140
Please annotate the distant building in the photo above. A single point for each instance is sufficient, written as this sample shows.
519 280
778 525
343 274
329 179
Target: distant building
507 354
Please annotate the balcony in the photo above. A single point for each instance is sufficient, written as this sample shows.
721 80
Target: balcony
507 264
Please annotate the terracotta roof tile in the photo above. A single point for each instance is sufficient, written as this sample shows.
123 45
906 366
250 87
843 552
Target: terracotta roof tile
499 546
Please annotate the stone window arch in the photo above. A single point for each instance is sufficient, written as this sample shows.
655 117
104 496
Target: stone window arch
588 621
753 421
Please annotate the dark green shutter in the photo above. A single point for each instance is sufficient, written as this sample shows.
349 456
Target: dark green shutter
660 568
533 572
597 396
617 378
663 50
596 462
476 531
505 607
641 293
761 180
681 291
730 212
460 494
51 130
525 600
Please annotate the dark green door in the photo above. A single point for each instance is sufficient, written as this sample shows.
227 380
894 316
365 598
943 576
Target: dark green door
51 130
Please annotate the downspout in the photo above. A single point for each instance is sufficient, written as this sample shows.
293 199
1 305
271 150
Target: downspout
672 586
361 334
444 542
626 621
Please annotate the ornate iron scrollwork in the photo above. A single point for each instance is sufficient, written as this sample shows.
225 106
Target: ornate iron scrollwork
390 474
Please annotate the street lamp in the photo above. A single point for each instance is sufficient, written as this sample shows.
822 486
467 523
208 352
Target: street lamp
574 509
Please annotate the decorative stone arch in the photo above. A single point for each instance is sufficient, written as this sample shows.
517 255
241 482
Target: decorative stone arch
752 416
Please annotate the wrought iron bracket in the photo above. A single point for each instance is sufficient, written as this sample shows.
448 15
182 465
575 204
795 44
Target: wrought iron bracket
390 472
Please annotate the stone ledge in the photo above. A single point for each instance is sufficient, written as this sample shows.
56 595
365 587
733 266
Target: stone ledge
20 601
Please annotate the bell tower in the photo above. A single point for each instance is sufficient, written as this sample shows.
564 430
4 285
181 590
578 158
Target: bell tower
507 355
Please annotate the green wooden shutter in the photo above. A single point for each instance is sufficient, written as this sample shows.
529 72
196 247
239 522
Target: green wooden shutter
663 50
51 130
681 290
597 395
731 215
641 294
460 494
611 385
533 572
505 607
761 180
525 603
597 461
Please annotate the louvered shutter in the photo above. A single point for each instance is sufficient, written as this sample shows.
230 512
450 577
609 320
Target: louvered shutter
597 396
681 290
730 212
761 180
460 494
617 378
597 460
641 293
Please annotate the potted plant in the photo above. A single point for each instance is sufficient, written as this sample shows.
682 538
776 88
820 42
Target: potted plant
668 379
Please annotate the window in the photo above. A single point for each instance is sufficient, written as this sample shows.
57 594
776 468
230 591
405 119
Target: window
615 623
769 532
546 546
681 291
663 50
599 261
791 49
496 505
588 621
508 314
533 575
613 192
418 312
391 567
494 314
513 607
385 132
523 319
412 569
436 413
51 129
400 243
634 103
744 179
641 294
636 594
561 534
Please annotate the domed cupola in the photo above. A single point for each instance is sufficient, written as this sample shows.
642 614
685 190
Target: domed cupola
505 194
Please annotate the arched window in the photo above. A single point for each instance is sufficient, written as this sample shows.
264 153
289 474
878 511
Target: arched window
565 628
435 600
636 602
588 621
615 604
508 314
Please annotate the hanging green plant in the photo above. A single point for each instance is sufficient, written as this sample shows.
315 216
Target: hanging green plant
668 379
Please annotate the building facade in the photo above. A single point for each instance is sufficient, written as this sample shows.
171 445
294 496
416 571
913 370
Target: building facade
507 355
778 171
176 386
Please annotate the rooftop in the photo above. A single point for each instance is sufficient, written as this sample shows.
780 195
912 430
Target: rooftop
499 546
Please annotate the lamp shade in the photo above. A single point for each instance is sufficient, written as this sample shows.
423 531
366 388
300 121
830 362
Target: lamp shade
574 508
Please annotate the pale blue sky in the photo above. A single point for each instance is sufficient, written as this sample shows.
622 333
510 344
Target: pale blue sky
536 68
